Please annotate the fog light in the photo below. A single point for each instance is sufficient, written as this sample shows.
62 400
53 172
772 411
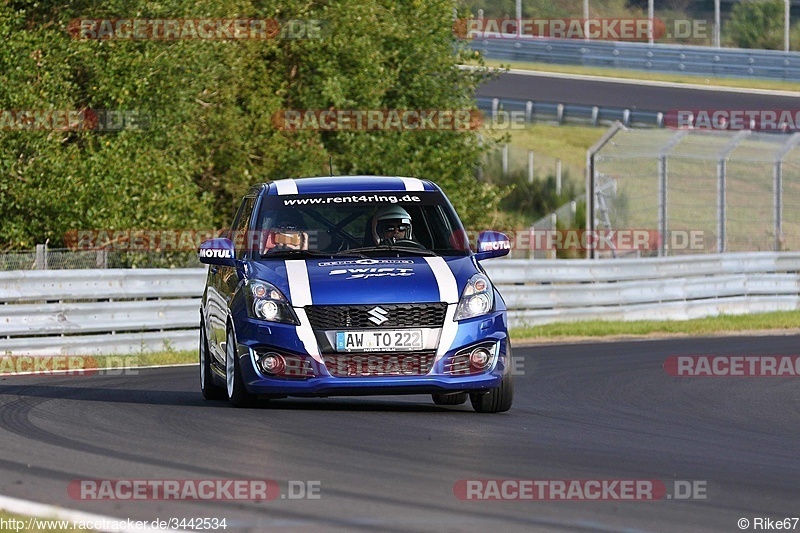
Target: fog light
272 363
480 358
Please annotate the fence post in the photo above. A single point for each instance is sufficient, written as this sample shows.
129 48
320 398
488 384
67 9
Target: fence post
722 176
663 173
662 204
505 159
591 172
777 187
41 257
530 166
101 259
558 176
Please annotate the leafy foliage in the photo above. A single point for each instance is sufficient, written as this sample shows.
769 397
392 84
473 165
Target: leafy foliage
757 24
210 107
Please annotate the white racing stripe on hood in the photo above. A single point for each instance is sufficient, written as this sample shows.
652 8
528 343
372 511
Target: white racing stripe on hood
300 291
413 184
287 186
448 292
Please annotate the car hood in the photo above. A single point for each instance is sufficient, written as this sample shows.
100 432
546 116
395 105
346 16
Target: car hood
368 281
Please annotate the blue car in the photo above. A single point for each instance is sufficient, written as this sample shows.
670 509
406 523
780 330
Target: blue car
353 285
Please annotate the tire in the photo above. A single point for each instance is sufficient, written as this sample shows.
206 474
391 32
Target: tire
237 395
210 390
497 400
450 399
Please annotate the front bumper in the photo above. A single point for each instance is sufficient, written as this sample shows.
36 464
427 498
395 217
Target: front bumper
254 336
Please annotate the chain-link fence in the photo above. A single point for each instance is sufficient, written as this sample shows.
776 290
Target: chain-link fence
46 258
506 160
701 191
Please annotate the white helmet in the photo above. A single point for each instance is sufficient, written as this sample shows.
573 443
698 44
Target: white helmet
392 215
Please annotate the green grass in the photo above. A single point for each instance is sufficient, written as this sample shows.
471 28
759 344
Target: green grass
741 83
550 142
12 364
783 320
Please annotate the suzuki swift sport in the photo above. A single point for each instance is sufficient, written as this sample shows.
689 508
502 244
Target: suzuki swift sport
353 285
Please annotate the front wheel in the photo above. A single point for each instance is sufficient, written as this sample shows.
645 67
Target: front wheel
500 399
237 395
496 400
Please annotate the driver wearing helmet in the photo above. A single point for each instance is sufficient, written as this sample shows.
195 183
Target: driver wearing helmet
391 224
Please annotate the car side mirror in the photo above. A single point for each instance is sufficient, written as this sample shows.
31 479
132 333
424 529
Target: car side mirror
219 251
492 244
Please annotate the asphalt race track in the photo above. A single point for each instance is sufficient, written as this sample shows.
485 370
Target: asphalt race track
591 92
585 411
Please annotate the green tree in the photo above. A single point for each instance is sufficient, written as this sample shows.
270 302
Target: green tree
757 24
210 107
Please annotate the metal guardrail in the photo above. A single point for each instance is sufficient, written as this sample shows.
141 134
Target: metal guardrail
99 312
565 113
673 288
722 62
129 311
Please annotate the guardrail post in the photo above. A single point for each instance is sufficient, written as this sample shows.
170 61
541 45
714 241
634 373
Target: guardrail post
560 114
528 112
595 115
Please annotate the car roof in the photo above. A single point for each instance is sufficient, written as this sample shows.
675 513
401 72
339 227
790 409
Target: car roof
348 184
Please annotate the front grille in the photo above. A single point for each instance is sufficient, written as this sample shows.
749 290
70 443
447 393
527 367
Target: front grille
458 365
328 317
377 365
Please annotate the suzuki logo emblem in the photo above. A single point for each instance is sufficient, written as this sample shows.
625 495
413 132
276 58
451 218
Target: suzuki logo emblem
378 315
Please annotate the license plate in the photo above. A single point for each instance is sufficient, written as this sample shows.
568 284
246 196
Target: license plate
383 340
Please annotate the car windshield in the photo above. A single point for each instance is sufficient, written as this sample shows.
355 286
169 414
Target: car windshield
355 224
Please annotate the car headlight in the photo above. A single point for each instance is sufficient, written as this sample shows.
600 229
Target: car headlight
268 303
477 298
